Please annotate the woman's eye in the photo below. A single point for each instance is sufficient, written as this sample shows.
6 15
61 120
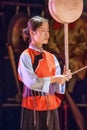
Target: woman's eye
45 31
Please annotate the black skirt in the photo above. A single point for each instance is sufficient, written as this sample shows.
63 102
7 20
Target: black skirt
39 120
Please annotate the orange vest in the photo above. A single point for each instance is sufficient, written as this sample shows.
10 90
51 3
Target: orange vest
45 68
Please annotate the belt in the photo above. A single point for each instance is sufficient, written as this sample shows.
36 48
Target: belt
36 93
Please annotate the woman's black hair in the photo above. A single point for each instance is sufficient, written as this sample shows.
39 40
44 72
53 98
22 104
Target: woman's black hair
33 23
36 22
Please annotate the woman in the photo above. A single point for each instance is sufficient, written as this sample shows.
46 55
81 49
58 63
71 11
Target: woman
40 73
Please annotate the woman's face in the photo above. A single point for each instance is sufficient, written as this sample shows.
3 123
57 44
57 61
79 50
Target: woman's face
41 35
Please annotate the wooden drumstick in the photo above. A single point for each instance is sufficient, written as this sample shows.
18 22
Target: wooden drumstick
85 67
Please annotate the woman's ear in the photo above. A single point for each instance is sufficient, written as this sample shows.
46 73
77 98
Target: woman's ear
32 33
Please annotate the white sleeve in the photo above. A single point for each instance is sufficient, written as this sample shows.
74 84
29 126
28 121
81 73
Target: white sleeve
58 87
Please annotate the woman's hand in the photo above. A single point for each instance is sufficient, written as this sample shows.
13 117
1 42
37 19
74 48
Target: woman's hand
67 73
61 79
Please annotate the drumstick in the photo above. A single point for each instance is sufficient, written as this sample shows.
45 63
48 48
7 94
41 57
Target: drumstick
85 67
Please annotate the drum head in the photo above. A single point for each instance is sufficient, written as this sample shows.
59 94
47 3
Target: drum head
65 11
51 6
14 35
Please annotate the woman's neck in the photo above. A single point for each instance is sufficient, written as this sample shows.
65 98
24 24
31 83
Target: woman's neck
37 46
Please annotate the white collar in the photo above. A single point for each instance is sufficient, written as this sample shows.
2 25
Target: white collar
36 48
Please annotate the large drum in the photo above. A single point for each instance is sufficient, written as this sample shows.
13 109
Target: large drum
14 35
65 11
